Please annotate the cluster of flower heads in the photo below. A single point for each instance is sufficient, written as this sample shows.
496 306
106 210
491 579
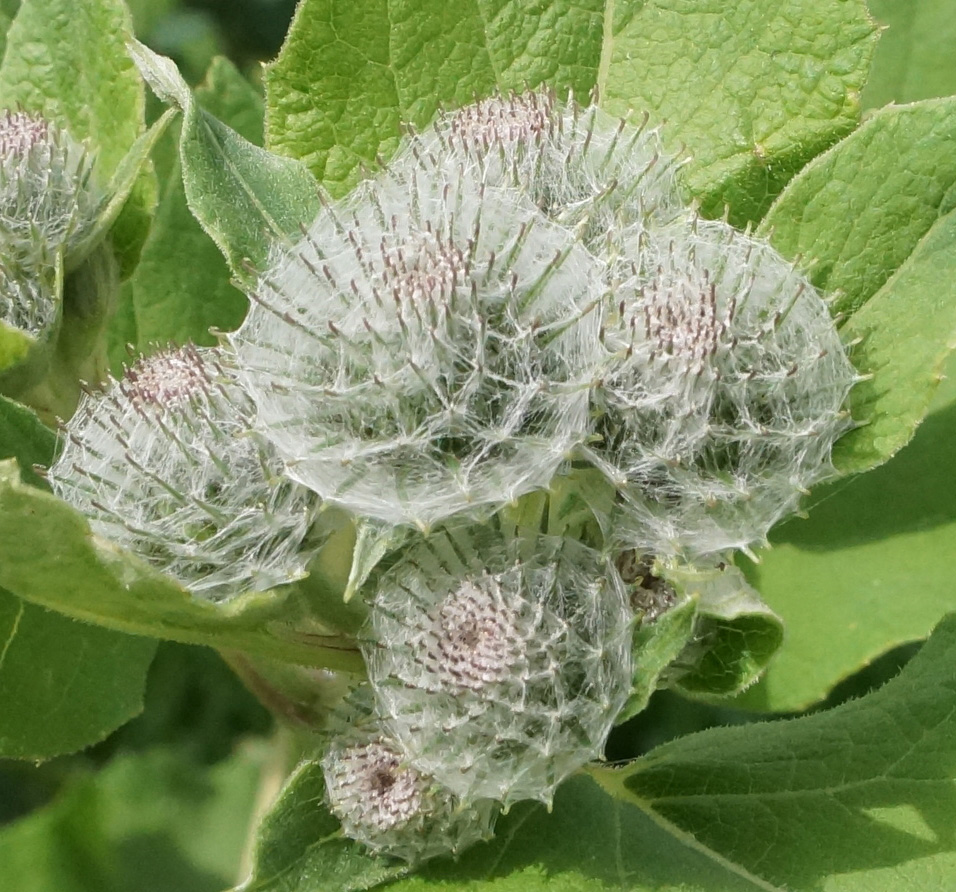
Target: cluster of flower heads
47 201
497 663
522 289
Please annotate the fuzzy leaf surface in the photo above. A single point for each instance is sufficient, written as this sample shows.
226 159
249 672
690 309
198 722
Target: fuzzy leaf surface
860 797
244 197
49 557
787 75
64 685
350 74
754 89
181 287
872 567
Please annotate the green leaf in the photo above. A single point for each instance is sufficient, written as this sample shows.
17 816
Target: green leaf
151 822
735 634
896 175
181 288
244 197
64 685
49 557
889 261
754 89
857 798
914 59
67 60
589 843
908 330
656 646
871 567
350 74
25 438
298 845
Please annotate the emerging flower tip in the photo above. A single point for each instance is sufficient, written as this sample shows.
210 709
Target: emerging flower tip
169 380
47 199
476 641
511 118
20 132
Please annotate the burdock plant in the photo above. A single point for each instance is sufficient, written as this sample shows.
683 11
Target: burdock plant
515 401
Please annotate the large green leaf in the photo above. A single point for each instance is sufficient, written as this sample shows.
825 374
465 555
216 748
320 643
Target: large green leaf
181 288
151 823
858 798
870 568
244 197
907 331
858 211
68 60
64 685
350 74
869 219
914 59
49 557
753 89
589 842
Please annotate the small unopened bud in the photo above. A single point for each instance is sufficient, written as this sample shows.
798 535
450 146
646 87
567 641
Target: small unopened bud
390 806
47 198
499 666
164 463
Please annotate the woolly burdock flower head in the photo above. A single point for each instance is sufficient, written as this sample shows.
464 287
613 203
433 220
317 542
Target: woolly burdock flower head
499 665
426 349
47 199
723 394
164 463
30 300
390 806
600 176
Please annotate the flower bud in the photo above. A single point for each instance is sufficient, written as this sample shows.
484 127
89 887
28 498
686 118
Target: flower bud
426 349
723 393
47 199
164 463
598 176
499 665
390 806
